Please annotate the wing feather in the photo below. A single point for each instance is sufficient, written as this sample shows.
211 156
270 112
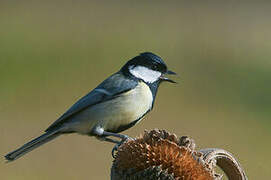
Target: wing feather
107 90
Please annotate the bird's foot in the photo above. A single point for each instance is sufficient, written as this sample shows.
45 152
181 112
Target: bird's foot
115 148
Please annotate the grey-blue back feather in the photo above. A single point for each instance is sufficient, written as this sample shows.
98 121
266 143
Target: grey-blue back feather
107 90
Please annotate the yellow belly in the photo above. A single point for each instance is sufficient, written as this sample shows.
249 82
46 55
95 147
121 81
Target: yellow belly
120 111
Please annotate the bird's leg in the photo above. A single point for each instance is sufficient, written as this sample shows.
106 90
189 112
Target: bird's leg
102 138
101 134
121 136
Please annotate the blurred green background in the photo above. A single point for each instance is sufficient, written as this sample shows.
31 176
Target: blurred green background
52 53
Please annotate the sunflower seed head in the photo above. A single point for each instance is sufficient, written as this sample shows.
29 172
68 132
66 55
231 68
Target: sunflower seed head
158 154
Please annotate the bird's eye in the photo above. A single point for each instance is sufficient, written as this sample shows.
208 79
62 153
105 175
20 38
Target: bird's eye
154 67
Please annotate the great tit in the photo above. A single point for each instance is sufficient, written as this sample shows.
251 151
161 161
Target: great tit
115 105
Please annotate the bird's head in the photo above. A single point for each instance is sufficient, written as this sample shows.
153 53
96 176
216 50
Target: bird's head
149 68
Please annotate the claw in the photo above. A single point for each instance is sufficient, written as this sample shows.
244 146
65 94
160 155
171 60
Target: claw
115 148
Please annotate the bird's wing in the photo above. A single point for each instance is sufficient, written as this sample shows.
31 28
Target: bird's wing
107 90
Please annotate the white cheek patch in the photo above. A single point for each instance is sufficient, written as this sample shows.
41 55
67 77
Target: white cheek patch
146 74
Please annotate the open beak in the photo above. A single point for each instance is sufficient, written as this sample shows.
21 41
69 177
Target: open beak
163 78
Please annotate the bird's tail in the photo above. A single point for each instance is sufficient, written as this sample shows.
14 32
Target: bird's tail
46 137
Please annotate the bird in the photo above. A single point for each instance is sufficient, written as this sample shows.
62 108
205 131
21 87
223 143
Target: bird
117 104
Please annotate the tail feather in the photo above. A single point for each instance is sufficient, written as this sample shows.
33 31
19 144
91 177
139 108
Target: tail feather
44 138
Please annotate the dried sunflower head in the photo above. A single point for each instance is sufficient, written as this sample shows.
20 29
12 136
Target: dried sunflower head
158 154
